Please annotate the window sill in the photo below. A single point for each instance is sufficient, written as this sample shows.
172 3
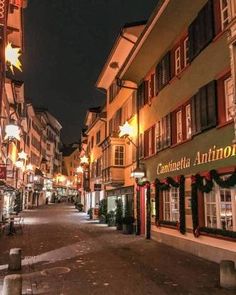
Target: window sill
202 233
226 123
219 35
182 142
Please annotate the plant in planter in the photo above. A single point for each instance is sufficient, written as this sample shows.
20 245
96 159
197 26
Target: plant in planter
128 220
111 220
102 211
90 213
119 214
79 206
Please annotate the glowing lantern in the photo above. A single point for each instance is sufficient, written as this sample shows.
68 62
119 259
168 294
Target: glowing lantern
12 57
126 130
12 132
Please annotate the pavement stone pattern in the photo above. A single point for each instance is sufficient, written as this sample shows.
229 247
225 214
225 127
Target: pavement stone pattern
65 253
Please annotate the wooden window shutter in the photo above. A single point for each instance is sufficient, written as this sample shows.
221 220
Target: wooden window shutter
139 94
173 128
152 86
211 104
172 62
168 130
203 107
146 143
167 68
217 16
153 139
221 99
209 22
184 132
195 114
146 91
192 40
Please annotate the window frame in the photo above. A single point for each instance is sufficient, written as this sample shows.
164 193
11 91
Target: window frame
178 67
179 126
224 21
173 191
186 51
226 96
188 124
119 159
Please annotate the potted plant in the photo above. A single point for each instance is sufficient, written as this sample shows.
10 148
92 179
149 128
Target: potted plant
111 220
90 213
119 214
102 211
79 206
128 220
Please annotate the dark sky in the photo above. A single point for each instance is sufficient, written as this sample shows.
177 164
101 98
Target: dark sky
66 45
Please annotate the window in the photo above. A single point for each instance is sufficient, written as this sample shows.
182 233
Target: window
171 205
229 97
141 146
188 121
225 13
163 133
149 142
186 52
201 31
113 91
220 208
204 108
177 61
179 126
92 142
142 93
163 72
119 155
98 137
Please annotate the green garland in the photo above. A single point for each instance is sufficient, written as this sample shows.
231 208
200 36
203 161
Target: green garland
198 185
166 186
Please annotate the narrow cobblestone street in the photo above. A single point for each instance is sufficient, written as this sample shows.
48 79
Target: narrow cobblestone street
65 253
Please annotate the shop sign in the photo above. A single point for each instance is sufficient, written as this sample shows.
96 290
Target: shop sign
97 187
3 172
213 154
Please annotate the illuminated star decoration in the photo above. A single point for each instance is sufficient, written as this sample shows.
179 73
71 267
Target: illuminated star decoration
22 155
29 167
84 160
12 57
126 130
12 132
79 169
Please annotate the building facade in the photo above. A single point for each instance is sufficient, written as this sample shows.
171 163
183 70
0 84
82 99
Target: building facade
182 69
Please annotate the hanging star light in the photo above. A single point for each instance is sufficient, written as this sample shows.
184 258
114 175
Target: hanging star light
12 57
79 169
22 155
29 167
84 160
12 132
126 130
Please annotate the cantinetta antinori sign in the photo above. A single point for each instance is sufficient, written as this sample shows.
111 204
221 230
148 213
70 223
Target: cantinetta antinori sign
213 154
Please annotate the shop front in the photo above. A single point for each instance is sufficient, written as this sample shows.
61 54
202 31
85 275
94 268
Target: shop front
126 194
193 195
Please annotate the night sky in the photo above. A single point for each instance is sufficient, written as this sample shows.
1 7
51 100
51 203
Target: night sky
66 45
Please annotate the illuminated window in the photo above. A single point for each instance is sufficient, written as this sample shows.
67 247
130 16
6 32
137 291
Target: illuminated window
171 204
179 126
186 52
225 13
177 61
188 121
119 155
229 97
220 208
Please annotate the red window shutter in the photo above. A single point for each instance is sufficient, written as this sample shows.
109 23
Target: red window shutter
172 62
217 16
184 122
173 128
146 91
153 139
221 99
146 143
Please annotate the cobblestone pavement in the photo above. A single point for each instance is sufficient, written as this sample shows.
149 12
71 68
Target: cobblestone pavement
65 253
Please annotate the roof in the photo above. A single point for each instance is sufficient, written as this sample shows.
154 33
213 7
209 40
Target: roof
125 41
